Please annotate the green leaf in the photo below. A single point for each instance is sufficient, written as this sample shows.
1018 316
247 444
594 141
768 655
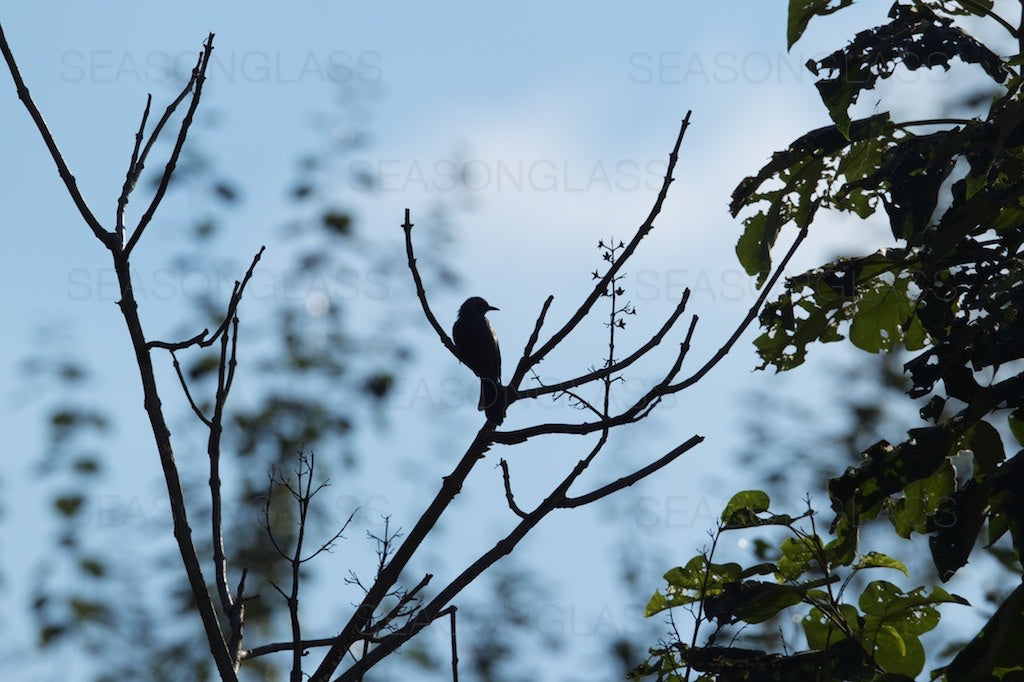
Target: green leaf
86 610
862 491
913 612
998 524
802 11
690 583
894 621
748 248
49 634
986 447
1016 423
750 501
915 38
751 601
897 652
879 560
882 311
822 631
998 645
94 567
337 222
910 513
797 555
974 185
955 526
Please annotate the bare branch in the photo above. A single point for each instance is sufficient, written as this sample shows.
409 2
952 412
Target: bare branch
107 238
503 547
197 340
203 339
164 119
638 475
583 402
237 619
399 610
450 612
265 649
634 413
220 563
615 367
151 398
184 385
198 78
532 341
450 487
527 362
130 177
508 490
745 322
420 291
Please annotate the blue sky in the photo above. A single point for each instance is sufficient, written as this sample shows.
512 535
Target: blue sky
566 112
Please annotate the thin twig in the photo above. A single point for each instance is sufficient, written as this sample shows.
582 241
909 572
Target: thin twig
450 487
140 165
745 322
527 362
450 612
220 563
632 414
532 341
615 367
508 490
987 11
703 593
131 176
572 395
399 610
421 293
184 385
199 77
630 479
237 619
204 339
265 649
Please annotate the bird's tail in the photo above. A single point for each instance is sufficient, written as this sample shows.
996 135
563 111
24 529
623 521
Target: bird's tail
492 400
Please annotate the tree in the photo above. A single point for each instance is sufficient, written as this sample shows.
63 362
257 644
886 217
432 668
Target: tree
949 291
329 261
392 611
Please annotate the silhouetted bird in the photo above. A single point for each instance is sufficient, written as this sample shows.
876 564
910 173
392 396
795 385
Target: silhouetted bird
477 347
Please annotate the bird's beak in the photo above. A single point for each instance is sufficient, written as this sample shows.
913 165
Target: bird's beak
491 307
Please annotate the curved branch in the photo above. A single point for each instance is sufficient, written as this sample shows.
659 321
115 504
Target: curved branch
198 78
745 322
528 362
634 413
630 479
420 291
987 11
508 490
610 369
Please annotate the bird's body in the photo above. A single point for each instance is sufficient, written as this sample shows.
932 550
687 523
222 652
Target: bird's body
477 347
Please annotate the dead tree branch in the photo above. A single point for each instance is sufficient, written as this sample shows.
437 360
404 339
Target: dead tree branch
225 662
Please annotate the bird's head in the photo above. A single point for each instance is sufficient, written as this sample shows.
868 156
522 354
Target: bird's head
475 306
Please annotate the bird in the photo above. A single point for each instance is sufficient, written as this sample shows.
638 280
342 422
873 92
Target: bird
476 346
